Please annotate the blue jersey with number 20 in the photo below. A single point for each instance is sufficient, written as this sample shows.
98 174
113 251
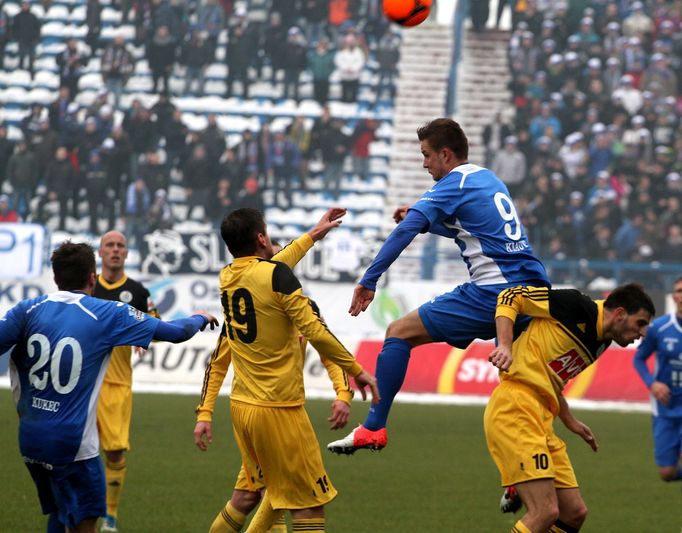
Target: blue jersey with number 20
472 206
63 342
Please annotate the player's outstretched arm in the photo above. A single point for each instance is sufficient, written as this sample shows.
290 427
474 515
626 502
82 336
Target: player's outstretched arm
330 220
575 425
184 328
362 297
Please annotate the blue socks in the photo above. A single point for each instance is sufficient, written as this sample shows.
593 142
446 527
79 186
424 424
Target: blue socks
390 374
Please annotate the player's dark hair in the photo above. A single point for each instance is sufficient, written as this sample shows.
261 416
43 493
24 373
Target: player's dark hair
677 281
630 297
445 133
72 264
240 229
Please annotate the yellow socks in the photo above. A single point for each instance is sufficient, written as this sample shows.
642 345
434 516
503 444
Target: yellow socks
561 527
265 516
115 474
519 527
280 526
229 520
309 525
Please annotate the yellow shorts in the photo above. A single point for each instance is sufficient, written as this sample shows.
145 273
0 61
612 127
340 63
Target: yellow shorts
114 411
521 440
282 442
255 482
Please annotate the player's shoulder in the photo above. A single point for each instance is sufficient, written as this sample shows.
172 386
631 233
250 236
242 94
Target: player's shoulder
283 278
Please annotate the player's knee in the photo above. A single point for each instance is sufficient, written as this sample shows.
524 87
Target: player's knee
245 501
311 512
114 456
578 515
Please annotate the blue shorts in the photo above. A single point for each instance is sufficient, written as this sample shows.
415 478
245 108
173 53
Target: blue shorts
464 314
75 491
667 440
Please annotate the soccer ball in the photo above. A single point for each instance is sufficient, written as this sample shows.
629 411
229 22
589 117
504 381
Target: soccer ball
407 12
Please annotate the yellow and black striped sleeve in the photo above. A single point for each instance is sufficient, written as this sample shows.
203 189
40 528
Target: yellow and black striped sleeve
293 252
305 316
214 375
339 380
532 301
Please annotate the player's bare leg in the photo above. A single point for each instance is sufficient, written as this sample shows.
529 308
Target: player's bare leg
401 336
572 511
542 505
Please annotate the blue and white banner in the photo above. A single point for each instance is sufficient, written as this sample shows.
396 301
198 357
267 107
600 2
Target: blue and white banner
21 250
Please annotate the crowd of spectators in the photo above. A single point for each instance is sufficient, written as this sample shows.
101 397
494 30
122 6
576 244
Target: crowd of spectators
593 153
123 161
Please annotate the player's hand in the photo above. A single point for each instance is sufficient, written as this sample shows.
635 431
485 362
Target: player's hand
212 321
501 357
577 427
362 297
201 430
330 220
340 414
139 351
399 213
365 379
661 392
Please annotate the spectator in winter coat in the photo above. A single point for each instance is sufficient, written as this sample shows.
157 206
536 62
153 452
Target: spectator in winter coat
59 182
349 61
26 31
510 165
196 56
213 139
321 65
282 164
22 175
294 62
117 66
93 20
238 57
96 181
274 45
136 214
199 178
161 57
71 62
211 20
363 135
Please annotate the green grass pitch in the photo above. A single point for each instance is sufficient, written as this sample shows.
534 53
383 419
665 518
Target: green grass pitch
435 476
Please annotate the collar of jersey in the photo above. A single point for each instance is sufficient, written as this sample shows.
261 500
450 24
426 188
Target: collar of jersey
110 286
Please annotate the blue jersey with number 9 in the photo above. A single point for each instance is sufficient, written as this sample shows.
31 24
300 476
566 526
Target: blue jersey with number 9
472 206
62 342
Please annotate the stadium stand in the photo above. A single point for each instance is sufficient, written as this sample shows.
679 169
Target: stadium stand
593 115
136 136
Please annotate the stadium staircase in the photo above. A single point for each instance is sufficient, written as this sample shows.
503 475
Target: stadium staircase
422 86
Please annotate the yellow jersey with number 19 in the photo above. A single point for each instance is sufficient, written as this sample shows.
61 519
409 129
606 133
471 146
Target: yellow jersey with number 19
265 309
